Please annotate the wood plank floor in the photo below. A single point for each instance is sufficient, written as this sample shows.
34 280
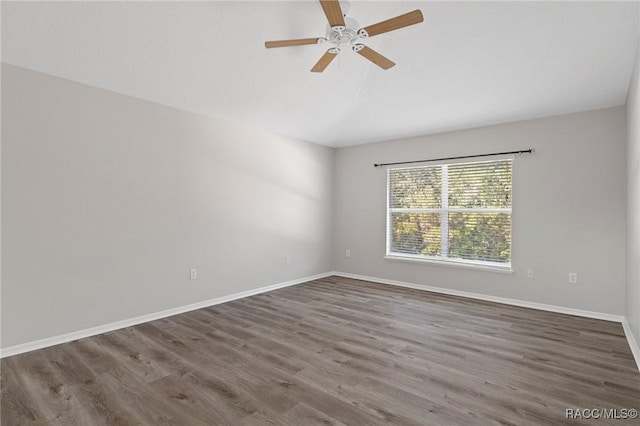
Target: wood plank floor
332 351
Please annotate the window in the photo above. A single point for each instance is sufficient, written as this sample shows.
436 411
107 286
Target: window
458 213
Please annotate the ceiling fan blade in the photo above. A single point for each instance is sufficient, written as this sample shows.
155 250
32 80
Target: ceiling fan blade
324 61
375 57
333 11
286 43
411 18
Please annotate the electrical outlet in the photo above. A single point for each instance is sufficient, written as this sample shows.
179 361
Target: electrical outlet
287 258
347 253
573 277
194 274
530 273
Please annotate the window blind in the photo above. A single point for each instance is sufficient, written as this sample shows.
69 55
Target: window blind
456 212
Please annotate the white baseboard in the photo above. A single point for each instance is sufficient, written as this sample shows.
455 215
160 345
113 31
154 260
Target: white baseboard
633 344
80 334
68 337
635 350
504 300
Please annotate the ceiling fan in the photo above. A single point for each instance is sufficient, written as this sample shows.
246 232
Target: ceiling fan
344 33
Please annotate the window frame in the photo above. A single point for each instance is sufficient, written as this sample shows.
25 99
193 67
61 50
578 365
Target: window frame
444 225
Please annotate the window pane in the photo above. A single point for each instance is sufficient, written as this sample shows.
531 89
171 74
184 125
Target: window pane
415 188
480 236
415 233
480 185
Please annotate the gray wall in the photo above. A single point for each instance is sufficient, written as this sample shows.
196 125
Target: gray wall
108 201
633 202
568 210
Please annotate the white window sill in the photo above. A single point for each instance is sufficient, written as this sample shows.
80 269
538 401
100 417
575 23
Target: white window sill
506 269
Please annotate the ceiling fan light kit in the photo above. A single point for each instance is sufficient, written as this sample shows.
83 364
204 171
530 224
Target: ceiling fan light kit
344 33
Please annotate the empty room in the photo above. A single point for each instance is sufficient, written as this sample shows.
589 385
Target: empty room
320 212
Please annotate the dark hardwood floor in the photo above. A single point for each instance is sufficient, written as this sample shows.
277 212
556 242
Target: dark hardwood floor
332 351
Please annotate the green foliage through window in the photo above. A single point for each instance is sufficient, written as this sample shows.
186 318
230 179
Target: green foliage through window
456 211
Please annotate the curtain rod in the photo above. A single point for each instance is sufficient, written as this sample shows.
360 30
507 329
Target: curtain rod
524 151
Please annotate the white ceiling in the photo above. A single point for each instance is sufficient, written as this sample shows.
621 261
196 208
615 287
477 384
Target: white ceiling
469 64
